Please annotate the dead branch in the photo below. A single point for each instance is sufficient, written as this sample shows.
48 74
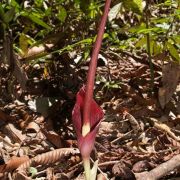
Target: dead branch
161 170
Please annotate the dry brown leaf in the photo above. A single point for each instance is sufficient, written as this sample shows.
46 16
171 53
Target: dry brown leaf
106 127
8 143
137 73
174 142
120 170
5 117
26 119
19 73
134 123
53 137
164 127
131 92
13 163
14 133
49 157
32 127
44 159
170 78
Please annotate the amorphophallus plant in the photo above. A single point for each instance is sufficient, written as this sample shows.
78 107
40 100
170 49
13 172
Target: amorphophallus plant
86 114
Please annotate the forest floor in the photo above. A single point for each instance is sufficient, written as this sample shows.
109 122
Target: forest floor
139 137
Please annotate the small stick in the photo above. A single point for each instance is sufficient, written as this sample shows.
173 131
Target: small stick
161 170
119 138
108 163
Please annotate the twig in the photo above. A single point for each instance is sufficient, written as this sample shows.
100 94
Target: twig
75 166
108 163
161 170
119 138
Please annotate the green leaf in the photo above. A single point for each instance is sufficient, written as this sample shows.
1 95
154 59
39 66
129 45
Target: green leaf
105 35
138 5
93 9
157 20
86 54
114 11
141 42
134 5
23 43
33 171
62 14
9 15
157 48
111 84
173 51
163 26
39 3
61 1
176 38
150 30
15 4
17 49
168 3
39 21
177 12
90 8
84 4
2 13
136 29
48 11
36 20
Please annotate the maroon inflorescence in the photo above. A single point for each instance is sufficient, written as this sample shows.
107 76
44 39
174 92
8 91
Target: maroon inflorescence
86 143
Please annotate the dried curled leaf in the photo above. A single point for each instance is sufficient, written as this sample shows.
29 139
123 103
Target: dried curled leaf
53 137
134 123
13 163
13 132
49 157
43 159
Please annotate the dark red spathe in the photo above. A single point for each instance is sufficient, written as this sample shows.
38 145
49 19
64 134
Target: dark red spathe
86 143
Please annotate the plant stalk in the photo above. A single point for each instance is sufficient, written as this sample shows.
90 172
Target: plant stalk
148 46
87 168
92 71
